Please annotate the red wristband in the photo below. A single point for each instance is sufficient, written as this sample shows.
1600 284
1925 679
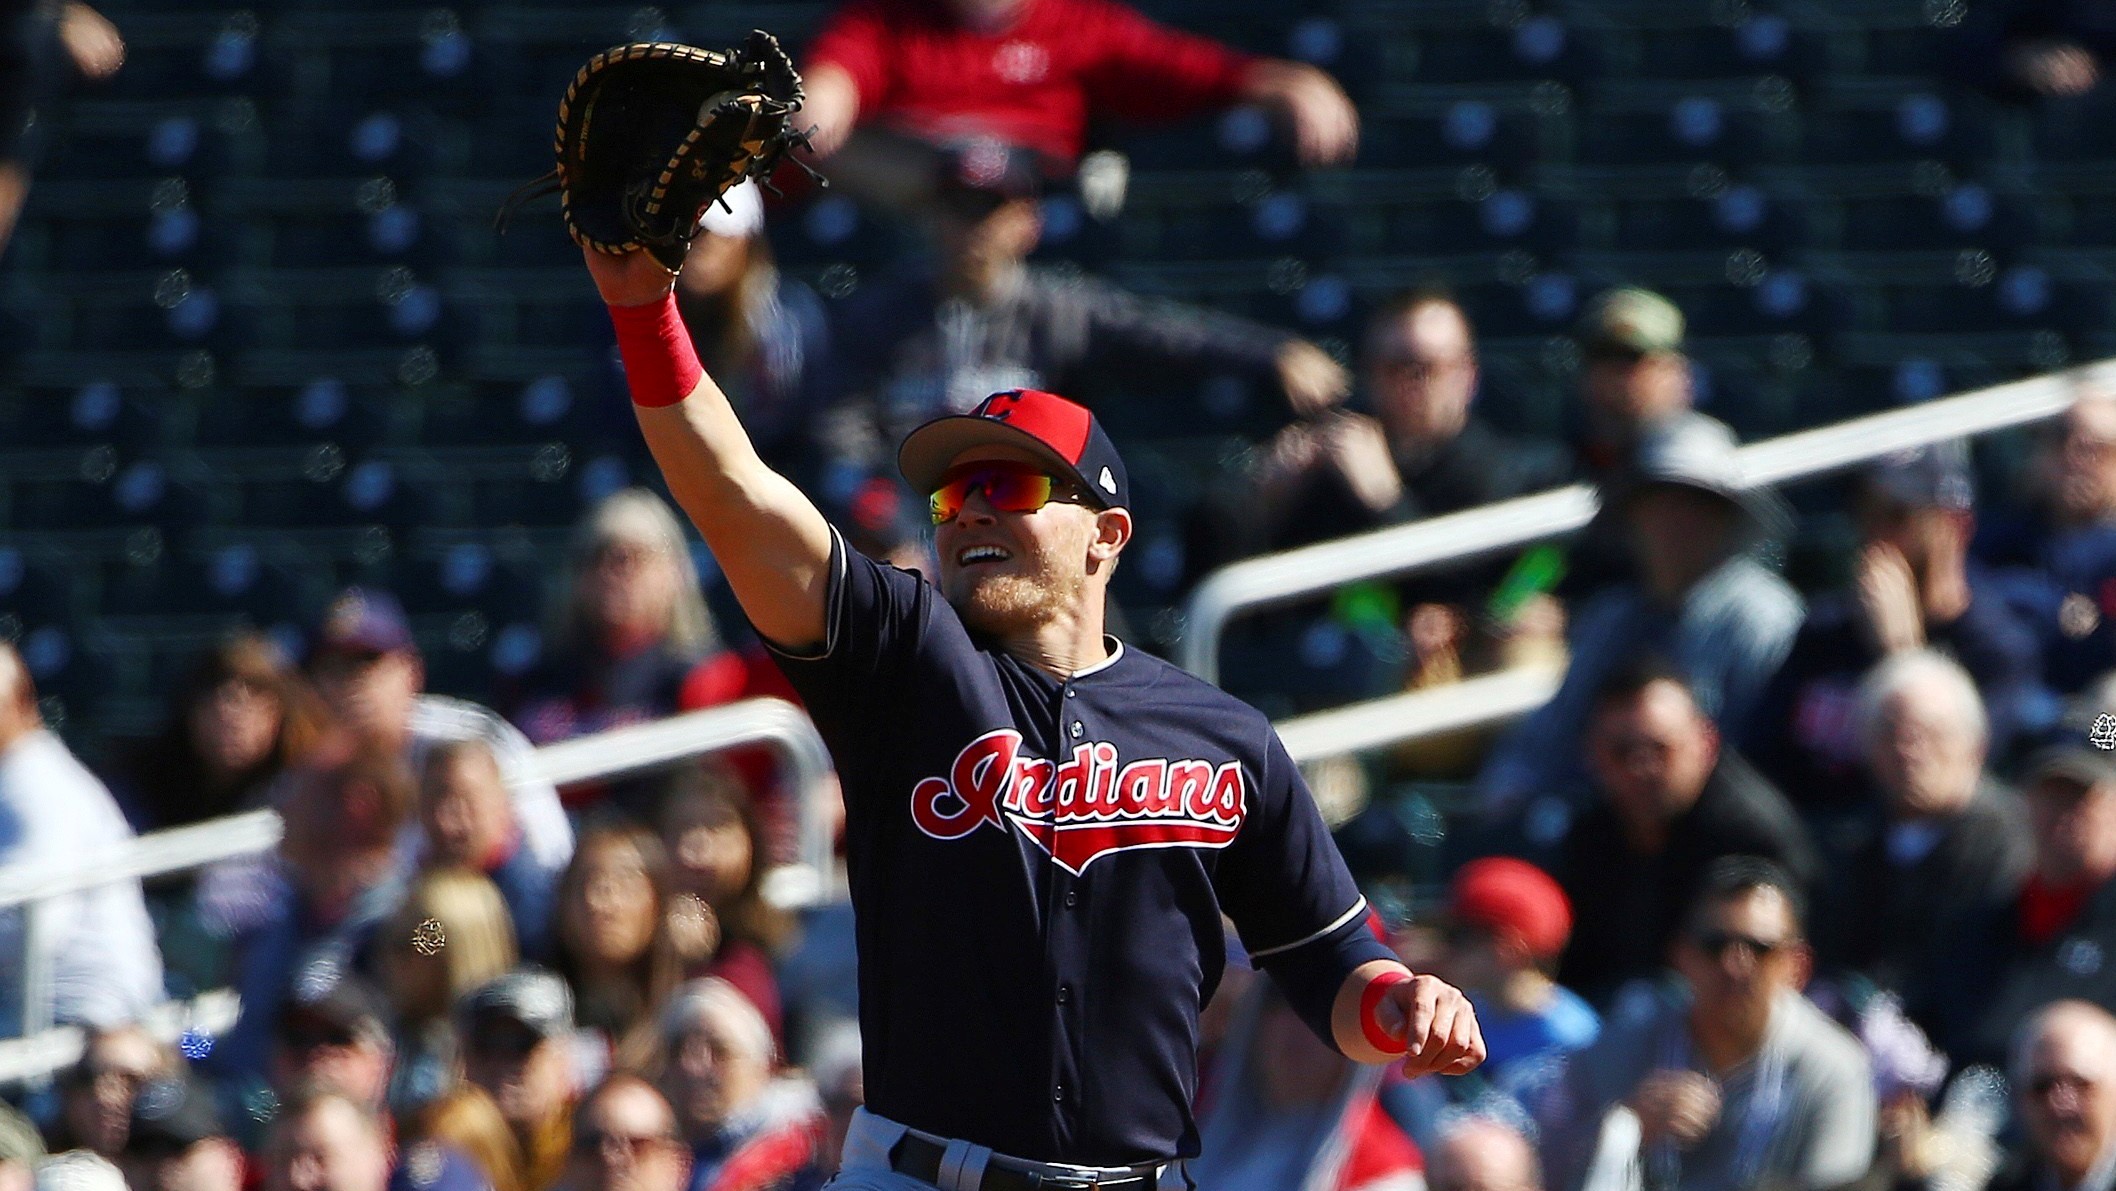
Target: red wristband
1369 1001
661 366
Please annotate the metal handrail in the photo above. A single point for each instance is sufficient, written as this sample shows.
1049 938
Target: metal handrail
605 754
1434 711
1281 578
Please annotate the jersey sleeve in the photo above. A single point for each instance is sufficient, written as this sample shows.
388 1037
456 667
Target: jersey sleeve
856 40
876 620
1145 71
1285 885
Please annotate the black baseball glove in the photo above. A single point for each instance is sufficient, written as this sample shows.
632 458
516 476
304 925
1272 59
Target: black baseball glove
650 133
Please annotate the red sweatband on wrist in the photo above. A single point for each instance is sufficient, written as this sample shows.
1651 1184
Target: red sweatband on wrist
661 366
1369 1001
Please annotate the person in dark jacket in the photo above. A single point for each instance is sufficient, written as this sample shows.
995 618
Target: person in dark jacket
1669 801
2056 937
1913 586
1941 841
2064 1081
1420 452
930 341
2056 551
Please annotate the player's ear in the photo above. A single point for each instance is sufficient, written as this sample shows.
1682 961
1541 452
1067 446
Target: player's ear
1112 532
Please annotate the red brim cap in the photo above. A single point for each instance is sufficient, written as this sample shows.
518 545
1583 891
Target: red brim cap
1059 432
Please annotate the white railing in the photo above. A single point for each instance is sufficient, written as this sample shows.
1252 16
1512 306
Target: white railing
773 722
1283 578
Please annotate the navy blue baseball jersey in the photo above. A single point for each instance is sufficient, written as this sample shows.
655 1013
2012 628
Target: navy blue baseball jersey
1039 867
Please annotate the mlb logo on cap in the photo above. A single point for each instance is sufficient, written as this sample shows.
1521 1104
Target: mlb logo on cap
1061 433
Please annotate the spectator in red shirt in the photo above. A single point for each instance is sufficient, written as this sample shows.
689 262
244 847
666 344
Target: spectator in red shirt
1036 72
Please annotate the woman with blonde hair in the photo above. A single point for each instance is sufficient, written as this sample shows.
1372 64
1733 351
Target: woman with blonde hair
467 1121
451 935
631 638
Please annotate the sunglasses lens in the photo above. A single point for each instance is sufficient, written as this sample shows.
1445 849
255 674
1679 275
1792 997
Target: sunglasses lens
947 499
1018 492
1009 490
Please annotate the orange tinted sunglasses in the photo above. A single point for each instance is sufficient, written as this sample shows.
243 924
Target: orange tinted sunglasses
1008 487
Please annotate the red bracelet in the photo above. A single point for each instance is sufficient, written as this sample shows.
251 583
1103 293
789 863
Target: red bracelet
661 366
1370 1000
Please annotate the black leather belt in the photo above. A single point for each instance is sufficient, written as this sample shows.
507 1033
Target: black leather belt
921 1159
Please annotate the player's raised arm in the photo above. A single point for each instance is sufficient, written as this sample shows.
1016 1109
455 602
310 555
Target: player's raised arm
768 537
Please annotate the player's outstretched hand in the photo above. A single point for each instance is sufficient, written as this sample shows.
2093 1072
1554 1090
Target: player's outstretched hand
633 279
1436 1020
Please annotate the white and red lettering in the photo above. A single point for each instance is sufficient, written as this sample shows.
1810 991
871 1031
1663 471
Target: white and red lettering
1086 806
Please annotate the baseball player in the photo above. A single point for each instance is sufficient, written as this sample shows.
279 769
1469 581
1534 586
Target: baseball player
1044 827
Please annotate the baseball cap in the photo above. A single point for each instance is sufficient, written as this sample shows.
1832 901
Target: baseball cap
1061 433
1928 477
173 1113
78 1170
989 166
331 1002
880 516
1697 452
361 620
1635 321
533 996
1502 894
2082 763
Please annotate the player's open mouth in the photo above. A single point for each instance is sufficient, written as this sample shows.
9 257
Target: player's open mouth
969 555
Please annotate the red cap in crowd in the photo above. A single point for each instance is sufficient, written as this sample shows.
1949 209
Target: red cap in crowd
1502 894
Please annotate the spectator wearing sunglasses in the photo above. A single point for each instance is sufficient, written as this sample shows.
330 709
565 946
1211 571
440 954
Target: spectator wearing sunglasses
1741 1082
624 1139
1636 383
2064 1080
518 1047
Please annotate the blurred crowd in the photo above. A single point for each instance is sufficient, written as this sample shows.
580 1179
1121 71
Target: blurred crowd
1801 887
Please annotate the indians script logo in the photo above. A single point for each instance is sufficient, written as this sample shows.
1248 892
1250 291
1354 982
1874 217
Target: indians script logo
1084 807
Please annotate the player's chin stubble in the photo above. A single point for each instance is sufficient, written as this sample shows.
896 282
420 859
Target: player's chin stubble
1007 603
